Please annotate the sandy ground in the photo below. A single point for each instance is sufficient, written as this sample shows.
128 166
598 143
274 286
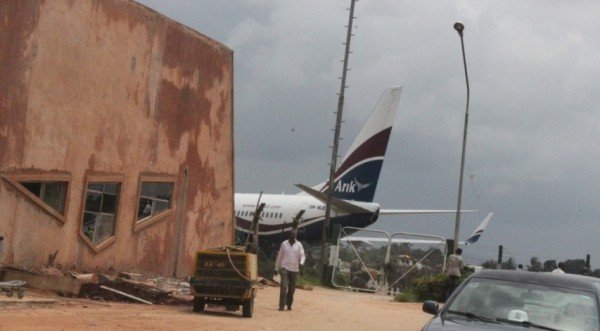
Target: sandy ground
320 309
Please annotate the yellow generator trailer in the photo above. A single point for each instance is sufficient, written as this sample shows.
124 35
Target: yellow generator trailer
225 276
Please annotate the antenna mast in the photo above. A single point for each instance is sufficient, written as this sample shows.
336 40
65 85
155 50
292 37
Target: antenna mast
334 151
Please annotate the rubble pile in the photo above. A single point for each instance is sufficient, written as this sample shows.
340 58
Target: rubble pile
105 286
154 289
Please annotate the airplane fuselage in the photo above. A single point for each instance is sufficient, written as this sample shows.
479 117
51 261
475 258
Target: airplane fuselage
280 210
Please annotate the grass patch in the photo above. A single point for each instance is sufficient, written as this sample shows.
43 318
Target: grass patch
310 276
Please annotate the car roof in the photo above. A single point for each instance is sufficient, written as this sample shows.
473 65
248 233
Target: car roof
579 282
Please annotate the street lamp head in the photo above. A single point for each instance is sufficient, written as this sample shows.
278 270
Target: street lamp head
458 26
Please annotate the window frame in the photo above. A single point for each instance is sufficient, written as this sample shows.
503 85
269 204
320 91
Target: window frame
16 179
94 178
151 220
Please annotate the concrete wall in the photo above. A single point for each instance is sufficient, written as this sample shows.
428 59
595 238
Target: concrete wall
111 90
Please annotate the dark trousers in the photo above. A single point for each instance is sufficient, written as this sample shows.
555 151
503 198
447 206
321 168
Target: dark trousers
287 287
454 281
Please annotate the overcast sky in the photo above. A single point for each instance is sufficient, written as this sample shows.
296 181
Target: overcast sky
533 133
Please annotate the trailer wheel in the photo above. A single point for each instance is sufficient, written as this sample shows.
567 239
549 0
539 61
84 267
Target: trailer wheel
248 307
198 304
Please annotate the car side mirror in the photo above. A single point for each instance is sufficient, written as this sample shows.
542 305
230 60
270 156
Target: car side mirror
431 307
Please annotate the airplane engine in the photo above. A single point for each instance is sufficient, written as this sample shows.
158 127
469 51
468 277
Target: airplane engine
375 216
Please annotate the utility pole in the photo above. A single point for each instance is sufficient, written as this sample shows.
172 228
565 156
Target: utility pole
334 149
254 225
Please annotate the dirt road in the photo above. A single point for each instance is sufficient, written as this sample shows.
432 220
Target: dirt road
320 309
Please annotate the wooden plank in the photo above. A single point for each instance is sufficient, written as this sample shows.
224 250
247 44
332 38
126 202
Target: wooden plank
62 285
133 297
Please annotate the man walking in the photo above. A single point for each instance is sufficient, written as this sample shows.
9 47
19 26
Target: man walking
289 261
453 267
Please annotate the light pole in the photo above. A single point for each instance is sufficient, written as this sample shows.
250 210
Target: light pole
459 27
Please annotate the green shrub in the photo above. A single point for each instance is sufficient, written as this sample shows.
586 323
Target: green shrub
431 287
408 296
342 279
434 287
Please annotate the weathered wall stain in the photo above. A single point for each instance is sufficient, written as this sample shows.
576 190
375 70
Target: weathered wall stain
111 89
18 21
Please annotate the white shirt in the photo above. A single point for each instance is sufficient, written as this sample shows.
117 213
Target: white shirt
454 265
290 257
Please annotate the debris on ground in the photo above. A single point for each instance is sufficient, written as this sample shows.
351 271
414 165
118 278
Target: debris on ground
154 289
268 282
109 286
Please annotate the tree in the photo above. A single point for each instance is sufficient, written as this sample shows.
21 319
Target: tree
489 264
549 265
574 266
509 264
535 265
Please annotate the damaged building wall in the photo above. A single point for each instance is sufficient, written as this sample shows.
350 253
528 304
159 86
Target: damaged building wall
116 137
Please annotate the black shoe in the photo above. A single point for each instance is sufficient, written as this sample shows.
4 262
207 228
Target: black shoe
280 308
289 308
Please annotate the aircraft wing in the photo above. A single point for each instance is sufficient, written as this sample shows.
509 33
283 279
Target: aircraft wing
420 211
473 238
337 204
369 240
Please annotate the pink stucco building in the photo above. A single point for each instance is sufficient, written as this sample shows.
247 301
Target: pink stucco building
116 137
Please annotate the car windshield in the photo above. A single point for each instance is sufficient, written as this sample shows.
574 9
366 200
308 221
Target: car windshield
525 304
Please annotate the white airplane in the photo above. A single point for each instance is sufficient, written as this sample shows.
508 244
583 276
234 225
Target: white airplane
354 188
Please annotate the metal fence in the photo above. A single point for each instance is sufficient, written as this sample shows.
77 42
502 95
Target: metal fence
377 261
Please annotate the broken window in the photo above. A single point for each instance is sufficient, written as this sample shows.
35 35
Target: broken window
54 194
155 197
99 215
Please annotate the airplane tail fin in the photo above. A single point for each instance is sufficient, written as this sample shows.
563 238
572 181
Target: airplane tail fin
357 175
478 231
